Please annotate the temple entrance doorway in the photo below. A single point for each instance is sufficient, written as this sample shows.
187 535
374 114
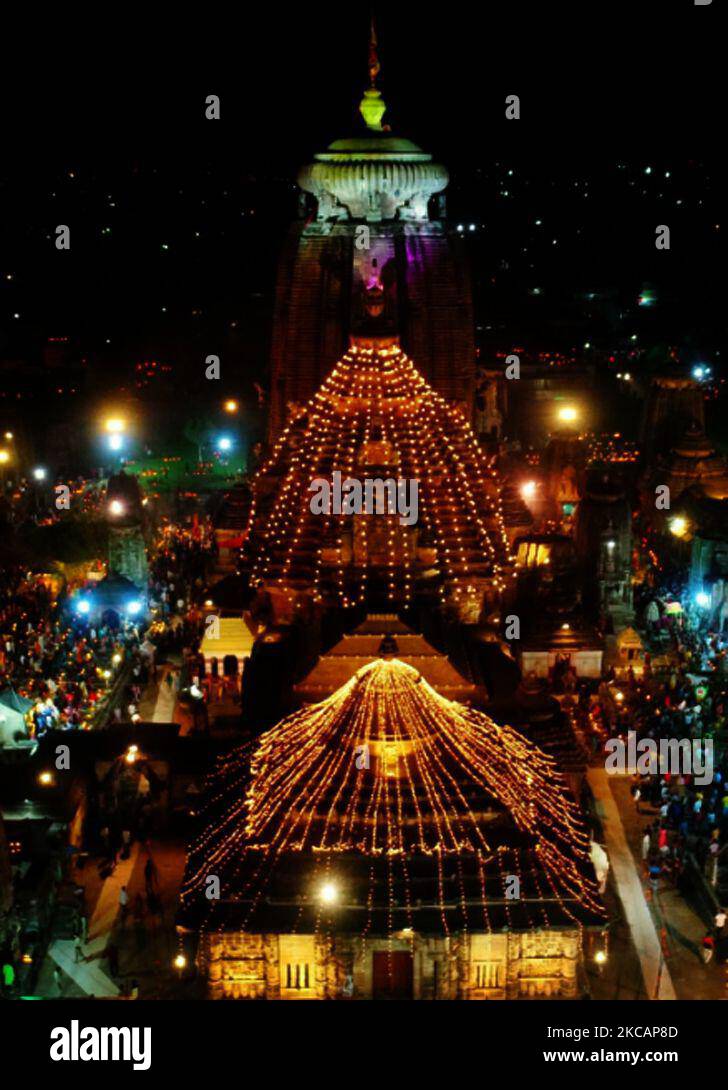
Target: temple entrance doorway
392 974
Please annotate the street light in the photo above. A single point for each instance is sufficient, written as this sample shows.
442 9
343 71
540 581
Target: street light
225 443
568 414
528 490
116 508
329 893
40 473
114 424
678 526
231 406
4 457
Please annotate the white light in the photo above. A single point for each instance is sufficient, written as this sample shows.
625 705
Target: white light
133 607
702 599
116 442
224 443
83 606
328 893
610 546
528 490
39 473
116 507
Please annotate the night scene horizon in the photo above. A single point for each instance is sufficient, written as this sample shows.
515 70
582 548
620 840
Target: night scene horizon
364 530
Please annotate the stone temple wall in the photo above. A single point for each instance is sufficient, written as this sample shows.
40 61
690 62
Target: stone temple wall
507 965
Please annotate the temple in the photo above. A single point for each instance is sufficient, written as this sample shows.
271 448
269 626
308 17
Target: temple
372 210
376 418
389 842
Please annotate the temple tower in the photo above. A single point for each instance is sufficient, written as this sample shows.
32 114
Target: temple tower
372 211
124 512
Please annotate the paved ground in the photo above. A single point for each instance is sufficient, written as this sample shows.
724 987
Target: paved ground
678 923
665 930
147 945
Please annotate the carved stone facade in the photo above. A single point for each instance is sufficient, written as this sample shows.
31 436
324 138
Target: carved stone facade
505 965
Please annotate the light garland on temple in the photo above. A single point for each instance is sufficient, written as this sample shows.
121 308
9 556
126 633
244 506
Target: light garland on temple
441 782
375 396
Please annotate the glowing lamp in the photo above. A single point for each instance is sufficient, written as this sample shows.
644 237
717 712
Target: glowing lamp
46 778
567 414
600 957
702 599
231 405
114 425
528 490
116 442
133 607
116 507
83 606
180 962
329 893
39 473
678 526
4 457
225 443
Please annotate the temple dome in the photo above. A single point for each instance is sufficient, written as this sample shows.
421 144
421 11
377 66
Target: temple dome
374 176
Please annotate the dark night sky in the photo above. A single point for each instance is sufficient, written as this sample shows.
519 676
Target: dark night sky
176 221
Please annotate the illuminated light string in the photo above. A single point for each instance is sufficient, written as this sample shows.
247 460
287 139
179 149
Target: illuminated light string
374 394
442 780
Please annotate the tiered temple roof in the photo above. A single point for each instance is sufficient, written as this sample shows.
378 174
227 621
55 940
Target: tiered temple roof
376 418
388 807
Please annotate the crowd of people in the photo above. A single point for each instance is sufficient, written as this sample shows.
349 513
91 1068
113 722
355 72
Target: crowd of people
64 665
679 693
63 668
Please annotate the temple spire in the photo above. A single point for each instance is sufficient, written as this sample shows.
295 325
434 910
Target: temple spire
372 107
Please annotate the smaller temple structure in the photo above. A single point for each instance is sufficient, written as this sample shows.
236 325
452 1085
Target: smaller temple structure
674 403
604 550
125 517
692 462
390 843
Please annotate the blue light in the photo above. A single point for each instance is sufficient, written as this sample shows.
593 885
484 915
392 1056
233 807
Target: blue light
134 607
698 372
702 599
224 443
116 442
83 605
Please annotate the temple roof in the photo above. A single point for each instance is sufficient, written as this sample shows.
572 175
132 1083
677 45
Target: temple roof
365 644
373 407
403 802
